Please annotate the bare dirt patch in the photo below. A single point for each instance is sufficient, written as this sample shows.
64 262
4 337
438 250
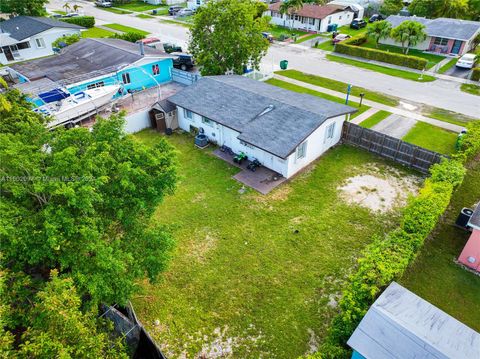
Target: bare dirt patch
379 190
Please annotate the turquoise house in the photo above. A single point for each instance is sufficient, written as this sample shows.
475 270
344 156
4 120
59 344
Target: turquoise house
92 63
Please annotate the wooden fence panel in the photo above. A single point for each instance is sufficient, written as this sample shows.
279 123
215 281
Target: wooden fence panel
390 147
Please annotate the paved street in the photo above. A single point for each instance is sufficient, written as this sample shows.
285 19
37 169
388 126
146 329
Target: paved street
440 93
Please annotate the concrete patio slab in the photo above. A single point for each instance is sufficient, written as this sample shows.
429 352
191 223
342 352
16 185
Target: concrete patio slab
262 180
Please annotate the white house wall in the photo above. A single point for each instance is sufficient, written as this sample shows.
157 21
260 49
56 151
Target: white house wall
317 144
48 36
341 18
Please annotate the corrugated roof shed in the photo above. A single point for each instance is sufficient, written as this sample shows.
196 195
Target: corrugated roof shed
22 27
268 117
402 325
85 57
442 27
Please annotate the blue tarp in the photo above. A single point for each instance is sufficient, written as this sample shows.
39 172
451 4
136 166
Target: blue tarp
53 95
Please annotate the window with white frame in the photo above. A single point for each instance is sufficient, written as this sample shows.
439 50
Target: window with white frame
301 150
188 114
311 21
40 43
207 121
330 132
440 41
329 20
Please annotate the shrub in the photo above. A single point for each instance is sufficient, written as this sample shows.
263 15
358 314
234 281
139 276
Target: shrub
386 259
85 21
476 74
129 36
66 41
351 47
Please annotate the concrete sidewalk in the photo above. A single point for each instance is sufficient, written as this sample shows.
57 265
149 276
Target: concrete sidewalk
376 105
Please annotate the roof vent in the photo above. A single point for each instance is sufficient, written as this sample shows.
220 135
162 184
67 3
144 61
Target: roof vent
267 110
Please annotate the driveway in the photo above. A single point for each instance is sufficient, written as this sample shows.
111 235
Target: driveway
395 126
458 72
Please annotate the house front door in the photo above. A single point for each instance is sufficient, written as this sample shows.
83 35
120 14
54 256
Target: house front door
8 53
456 47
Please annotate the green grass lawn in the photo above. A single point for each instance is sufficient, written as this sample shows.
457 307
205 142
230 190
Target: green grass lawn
174 22
276 31
382 69
352 32
136 6
447 66
296 88
432 137
434 276
306 38
116 11
124 28
470 88
96 32
431 58
448 116
340 86
252 269
375 119
326 45
145 16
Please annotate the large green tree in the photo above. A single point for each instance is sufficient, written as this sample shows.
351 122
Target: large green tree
440 8
80 201
227 36
379 30
409 33
290 7
23 7
391 7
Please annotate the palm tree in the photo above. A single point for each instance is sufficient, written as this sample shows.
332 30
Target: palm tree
66 6
290 7
409 33
76 7
379 30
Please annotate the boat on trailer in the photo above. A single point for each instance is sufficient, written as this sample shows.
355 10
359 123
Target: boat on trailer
65 107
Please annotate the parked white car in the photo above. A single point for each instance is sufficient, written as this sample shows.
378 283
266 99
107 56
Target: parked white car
467 61
185 12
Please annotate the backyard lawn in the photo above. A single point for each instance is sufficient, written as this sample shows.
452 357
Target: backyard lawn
124 28
296 88
96 32
434 275
432 137
382 69
256 276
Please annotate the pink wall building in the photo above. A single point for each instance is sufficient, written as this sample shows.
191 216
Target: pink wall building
470 255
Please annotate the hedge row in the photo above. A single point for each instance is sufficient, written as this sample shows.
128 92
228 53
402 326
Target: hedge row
476 74
386 259
85 21
351 47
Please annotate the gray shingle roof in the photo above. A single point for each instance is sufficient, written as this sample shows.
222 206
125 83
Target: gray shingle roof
237 102
22 27
402 325
83 58
442 27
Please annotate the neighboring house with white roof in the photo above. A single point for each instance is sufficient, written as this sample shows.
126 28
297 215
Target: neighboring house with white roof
28 37
444 35
284 130
311 17
402 325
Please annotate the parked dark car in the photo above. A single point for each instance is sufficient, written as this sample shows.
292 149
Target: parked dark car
169 48
358 24
172 10
376 17
183 61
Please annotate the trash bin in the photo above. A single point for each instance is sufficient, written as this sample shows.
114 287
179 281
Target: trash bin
458 143
283 64
154 12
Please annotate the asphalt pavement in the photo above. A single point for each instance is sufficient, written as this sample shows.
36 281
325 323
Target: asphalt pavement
441 93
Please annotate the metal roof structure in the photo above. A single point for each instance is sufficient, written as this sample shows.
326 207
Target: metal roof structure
268 117
22 27
401 325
